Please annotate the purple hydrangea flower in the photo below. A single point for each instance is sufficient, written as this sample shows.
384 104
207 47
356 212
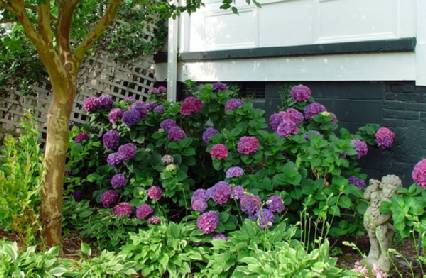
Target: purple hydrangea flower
234 172
219 237
141 107
159 109
154 220
293 115
123 209
210 193
154 193
250 204
300 93
118 181
275 120
208 134
90 104
222 193
111 139
275 204
199 204
105 101
168 124
219 87
127 151
360 147
109 198
175 134
114 159
82 136
384 138
419 173
265 218
313 109
115 115
357 181
287 128
208 222
248 145
237 192
143 211
76 194
233 103
131 117
190 105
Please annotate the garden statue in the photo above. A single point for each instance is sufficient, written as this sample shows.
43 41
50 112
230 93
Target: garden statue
378 226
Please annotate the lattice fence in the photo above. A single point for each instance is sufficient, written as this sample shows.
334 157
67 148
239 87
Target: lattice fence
99 75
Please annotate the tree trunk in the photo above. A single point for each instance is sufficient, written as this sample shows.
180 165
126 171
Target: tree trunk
55 154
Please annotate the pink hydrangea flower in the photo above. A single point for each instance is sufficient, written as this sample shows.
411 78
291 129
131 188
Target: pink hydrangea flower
384 138
419 173
123 209
143 211
208 222
300 93
154 193
219 151
190 105
248 145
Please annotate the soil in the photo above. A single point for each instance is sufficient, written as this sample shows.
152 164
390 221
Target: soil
400 270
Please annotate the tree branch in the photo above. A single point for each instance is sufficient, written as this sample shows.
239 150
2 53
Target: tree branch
97 31
66 11
44 22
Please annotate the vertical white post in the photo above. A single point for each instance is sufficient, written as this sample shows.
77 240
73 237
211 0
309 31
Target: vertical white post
172 54
421 43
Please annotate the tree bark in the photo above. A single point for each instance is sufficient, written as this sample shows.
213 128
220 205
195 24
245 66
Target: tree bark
55 154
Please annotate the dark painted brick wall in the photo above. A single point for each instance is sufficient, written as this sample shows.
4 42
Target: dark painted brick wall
398 105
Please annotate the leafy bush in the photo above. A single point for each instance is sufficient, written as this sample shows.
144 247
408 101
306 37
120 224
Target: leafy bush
20 181
166 249
184 146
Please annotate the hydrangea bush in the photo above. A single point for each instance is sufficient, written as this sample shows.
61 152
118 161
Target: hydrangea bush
151 158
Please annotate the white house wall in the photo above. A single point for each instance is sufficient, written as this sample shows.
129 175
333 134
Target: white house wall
281 23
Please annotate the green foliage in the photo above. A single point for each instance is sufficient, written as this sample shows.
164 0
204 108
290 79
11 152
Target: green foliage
292 261
21 173
167 249
108 231
29 263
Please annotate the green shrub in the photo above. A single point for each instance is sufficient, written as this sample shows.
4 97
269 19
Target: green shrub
21 173
166 249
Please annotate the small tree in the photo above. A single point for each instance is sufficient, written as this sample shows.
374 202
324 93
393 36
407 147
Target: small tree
47 24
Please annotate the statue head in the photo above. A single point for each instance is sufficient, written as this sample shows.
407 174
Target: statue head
389 185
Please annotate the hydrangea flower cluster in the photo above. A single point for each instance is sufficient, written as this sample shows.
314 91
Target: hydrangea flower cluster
154 220
115 115
219 237
167 124
237 192
219 87
250 204
109 198
361 148
118 181
219 151
208 222
275 204
123 209
143 211
190 105
141 107
360 183
158 90
384 138
419 173
287 128
248 145
199 200
131 117
91 104
111 139
265 218
154 193
159 109
300 93
233 104
221 192
234 172
167 159
82 136
125 152
286 123
313 109
176 134
208 134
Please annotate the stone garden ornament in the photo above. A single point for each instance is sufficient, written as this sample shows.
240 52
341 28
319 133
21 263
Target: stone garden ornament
377 224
